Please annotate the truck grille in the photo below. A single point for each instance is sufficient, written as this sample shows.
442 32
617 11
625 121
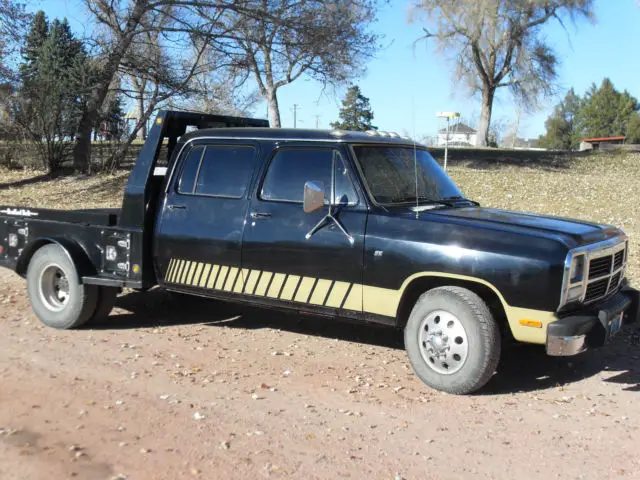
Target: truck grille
605 273
599 267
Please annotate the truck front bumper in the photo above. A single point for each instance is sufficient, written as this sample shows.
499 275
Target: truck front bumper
593 326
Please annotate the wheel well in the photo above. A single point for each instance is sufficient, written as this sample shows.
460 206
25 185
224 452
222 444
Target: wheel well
75 252
423 284
27 253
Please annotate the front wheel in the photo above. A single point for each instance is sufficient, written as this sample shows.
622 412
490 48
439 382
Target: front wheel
57 297
452 340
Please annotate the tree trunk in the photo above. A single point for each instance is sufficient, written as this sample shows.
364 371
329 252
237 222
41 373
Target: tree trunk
142 133
274 109
82 148
482 136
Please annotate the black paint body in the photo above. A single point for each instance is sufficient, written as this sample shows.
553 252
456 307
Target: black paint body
521 255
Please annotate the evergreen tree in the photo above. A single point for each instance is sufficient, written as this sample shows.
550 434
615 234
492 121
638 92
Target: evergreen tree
50 103
633 129
563 126
356 113
606 112
38 33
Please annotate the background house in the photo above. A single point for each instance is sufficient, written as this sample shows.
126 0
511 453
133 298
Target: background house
460 135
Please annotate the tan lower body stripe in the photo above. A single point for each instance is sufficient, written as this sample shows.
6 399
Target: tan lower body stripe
293 288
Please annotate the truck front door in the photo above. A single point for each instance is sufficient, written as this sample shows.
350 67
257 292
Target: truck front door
321 273
200 224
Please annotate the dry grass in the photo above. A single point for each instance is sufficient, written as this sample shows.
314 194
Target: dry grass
601 188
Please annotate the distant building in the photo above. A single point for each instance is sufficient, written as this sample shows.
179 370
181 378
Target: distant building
460 135
594 143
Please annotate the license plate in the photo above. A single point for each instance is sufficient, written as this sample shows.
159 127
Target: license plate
616 323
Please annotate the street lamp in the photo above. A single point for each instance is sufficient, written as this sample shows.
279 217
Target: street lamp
448 116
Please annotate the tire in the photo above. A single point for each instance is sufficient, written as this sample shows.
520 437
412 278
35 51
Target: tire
57 297
106 301
452 340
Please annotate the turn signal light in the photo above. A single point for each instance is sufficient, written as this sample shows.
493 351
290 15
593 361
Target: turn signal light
531 323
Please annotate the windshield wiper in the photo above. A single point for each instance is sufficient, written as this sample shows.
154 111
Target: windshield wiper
457 198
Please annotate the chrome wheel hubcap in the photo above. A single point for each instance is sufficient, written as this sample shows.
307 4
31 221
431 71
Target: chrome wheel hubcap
443 342
54 288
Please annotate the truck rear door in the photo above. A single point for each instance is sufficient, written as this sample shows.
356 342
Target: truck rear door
200 224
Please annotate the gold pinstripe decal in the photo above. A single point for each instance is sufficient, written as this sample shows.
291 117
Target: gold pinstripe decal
192 270
222 275
196 273
289 287
320 292
242 279
205 273
251 282
304 289
276 285
185 272
231 278
174 272
334 294
213 276
354 299
337 294
167 275
261 289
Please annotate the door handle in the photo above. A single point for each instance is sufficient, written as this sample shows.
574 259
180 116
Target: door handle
260 215
177 207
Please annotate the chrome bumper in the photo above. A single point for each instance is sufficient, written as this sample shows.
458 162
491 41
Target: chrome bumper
592 327
566 346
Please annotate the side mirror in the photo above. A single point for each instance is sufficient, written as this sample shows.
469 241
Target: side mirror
313 197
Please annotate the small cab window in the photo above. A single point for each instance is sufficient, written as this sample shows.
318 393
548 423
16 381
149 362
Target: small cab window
190 170
221 171
290 168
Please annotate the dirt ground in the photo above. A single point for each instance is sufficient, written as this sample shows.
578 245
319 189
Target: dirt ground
176 387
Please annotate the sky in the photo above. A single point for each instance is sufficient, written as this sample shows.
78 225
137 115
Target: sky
407 83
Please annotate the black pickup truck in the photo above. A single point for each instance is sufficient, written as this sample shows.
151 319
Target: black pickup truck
364 226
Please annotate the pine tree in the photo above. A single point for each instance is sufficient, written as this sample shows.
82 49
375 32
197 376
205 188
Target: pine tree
563 127
356 113
38 33
633 129
605 111
52 79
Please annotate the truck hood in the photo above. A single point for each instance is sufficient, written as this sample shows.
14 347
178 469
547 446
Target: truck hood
573 232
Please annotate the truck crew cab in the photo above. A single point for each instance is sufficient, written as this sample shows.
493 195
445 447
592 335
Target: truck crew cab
365 226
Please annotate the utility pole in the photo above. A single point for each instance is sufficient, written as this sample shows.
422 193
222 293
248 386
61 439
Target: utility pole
295 115
448 116
515 133
317 121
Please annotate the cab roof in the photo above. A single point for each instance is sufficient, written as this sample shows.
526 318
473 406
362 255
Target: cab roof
297 135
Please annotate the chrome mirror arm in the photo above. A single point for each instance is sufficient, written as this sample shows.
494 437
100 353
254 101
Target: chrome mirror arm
329 217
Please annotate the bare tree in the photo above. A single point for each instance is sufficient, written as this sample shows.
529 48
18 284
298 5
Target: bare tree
125 22
326 40
13 23
499 43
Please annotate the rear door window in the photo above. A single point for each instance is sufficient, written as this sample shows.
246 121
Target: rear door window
217 170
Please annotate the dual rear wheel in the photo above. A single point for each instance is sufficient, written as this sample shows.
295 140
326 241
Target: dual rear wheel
56 294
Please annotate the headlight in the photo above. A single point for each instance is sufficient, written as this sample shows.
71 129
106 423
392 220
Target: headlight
574 279
577 270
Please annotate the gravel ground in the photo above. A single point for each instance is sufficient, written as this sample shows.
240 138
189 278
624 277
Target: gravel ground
175 387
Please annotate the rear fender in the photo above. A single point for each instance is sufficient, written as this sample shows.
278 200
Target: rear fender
72 249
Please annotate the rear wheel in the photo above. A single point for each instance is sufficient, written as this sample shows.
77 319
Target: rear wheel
452 340
57 297
106 300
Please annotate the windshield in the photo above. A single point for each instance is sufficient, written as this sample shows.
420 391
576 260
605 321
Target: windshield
391 176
